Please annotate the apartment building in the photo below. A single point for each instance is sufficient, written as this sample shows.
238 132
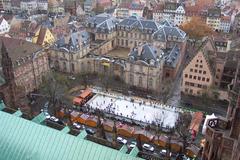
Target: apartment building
198 75
214 18
173 12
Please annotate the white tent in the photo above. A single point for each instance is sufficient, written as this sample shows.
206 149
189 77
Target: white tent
205 122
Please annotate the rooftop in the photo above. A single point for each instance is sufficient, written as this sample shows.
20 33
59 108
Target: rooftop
22 139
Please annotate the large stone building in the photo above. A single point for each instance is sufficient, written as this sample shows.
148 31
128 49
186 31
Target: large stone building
23 66
223 133
117 49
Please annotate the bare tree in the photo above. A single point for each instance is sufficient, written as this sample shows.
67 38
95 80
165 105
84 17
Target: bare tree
100 128
182 128
114 133
54 86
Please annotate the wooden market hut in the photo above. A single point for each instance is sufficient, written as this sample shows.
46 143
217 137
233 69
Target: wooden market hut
145 136
192 151
108 125
77 101
82 119
75 116
176 146
161 141
91 121
61 113
125 130
86 94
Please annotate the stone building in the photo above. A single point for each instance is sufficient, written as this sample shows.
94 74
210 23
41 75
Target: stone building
29 63
223 133
67 53
198 75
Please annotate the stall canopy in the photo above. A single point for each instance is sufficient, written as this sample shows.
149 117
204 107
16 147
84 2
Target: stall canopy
145 136
125 130
77 101
196 121
86 93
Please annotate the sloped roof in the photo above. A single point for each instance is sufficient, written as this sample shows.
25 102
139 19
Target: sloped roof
22 139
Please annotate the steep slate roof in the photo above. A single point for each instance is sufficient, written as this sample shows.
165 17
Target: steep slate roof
103 22
18 49
22 139
147 54
139 23
172 56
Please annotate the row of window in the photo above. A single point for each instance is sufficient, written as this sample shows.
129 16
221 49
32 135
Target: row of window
195 85
187 90
197 78
198 71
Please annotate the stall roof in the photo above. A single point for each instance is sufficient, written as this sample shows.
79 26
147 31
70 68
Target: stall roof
196 121
86 93
23 139
77 100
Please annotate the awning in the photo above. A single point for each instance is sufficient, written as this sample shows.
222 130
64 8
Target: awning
77 101
85 93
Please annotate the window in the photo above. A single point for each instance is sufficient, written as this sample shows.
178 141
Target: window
195 70
197 60
186 83
199 86
190 76
199 78
218 70
204 72
196 65
195 77
198 92
203 78
191 70
186 90
150 82
140 81
191 91
73 67
186 75
200 71
201 66
131 78
207 79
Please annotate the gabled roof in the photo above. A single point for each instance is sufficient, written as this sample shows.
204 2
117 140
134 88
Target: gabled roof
136 22
147 54
103 22
22 139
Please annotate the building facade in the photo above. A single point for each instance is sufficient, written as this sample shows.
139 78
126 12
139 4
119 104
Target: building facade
198 75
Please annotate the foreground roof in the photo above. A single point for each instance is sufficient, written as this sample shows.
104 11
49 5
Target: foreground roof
22 139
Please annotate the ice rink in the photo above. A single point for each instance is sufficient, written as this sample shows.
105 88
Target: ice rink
136 109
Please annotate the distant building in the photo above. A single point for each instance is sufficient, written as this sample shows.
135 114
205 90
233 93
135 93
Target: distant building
89 5
236 26
214 18
173 12
44 37
4 26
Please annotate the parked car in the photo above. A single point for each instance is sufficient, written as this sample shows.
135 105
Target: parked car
71 77
133 144
61 122
54 119
163 152
148 147
77 125
90 131
121 140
